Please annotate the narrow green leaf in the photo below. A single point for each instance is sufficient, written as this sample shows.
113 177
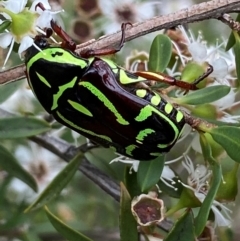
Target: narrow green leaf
205 208
13 218
130 180
12 167
128 225
231 42
236 49
67 232
18 127
206 149
229 138
149 173
183 230
231 39
7 90
203 214
58 183
160 53
228 189
5 24
206 95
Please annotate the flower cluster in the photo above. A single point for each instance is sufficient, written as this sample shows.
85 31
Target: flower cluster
193 54
25 23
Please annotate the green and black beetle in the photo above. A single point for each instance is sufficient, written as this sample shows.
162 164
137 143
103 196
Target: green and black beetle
101 100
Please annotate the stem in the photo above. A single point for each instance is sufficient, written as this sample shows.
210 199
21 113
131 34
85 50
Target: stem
197 123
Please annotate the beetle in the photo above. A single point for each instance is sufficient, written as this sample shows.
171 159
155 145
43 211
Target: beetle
102 101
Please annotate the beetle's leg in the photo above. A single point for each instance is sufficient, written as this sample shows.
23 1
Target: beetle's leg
204 75
40 5
172 81
101 52
67 43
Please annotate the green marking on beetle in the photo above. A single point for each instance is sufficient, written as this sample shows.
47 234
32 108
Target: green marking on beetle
147 111
82 129
168 108
141 93
57 55
115 70
62 88
129 149
80 108
179 116
105 101
143 133
124 79
110 63
43 80
156 99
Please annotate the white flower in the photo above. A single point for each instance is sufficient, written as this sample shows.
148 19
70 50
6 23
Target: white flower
198 51
198 177
25 23
198 183
173 6
45 17
21 101
41 164
7 40
16 6
166 176
214 55
223 70
222 218
131 11
127 160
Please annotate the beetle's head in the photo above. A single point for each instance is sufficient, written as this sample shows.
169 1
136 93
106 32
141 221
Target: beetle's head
40 43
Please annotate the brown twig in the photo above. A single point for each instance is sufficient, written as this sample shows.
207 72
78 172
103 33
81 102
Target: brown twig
227 19
212 9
